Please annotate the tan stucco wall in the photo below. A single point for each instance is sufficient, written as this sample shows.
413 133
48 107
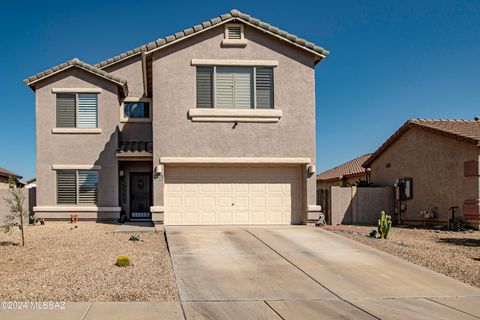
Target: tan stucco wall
130 69
436 164
76 149
174 135
4 183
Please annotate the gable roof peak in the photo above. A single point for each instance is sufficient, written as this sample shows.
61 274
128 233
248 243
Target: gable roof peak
233 15
459 129
75 62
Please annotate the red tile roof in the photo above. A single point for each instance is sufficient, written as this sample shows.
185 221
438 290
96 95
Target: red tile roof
463 130
348 169
6 173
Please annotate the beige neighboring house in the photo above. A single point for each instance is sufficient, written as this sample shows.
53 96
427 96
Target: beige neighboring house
31 183
344 175
435 166
4 176
214 124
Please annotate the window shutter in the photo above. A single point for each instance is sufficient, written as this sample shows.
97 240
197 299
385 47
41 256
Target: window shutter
264 88
234 32
243 88
65 110
204 87
224 88
87 187
87 110
66 187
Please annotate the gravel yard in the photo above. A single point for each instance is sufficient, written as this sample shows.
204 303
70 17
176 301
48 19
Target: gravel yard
455 254
75 262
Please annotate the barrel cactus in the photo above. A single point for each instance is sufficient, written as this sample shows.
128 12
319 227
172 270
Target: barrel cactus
384 225
123 261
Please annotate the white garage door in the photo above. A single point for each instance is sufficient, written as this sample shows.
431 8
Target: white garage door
232 195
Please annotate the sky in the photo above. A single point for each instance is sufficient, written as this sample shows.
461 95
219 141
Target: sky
389 60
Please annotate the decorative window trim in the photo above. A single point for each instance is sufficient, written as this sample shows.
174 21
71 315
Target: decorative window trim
242 42
200 63
76 167
76 90
234 115
233 63
123 119
77 130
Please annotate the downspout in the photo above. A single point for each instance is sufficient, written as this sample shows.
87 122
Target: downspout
144 71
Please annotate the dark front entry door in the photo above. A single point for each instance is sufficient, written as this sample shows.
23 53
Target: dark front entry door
140 195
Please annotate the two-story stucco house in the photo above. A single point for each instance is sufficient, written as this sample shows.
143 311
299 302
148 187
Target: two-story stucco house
212 125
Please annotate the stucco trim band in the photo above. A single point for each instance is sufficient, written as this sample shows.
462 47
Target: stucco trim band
157 209
314 208
76 90
220 160
237 63
77 130
74 209
75 167
234 115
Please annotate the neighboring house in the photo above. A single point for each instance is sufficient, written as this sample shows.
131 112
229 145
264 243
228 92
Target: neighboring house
4 177
344 175
212 125
435 165
32 183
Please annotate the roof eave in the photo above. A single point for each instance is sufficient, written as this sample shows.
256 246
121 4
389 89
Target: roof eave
31 84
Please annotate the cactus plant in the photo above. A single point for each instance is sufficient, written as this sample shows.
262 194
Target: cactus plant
123 261
384 225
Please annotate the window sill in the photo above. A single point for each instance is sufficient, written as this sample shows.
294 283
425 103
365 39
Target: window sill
77 130
234 43
125 120
234 115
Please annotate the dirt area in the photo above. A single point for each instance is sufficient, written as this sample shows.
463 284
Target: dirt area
75 262
455 254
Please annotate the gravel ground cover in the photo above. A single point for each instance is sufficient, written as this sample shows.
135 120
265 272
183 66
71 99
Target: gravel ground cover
75 262
455 254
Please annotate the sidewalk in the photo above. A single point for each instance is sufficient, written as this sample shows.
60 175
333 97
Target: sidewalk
99 310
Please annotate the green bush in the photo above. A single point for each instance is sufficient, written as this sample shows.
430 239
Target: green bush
384 225
123 261
134 237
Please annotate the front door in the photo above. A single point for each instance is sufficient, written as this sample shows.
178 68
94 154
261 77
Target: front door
140 195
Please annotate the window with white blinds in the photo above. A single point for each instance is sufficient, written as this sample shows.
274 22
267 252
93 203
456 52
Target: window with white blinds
87 110
77 187
77 110
235 87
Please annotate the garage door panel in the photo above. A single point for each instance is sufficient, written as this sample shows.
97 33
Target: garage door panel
238 195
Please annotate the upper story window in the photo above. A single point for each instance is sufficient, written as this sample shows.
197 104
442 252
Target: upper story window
235 87
77 110
136 109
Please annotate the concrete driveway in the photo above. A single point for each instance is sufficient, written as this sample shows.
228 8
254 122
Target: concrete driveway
298 272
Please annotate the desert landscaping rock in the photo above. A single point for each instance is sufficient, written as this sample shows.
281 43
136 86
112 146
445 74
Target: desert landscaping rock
455 254
64 263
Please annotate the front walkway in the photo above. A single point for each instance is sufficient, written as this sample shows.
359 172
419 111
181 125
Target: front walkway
291 272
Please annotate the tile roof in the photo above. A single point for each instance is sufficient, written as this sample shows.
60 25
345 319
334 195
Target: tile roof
233 15
6 173
347 169
464 130
75 62
135 146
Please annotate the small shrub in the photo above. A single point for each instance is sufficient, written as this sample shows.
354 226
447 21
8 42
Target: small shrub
123 261
384 225
134 237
